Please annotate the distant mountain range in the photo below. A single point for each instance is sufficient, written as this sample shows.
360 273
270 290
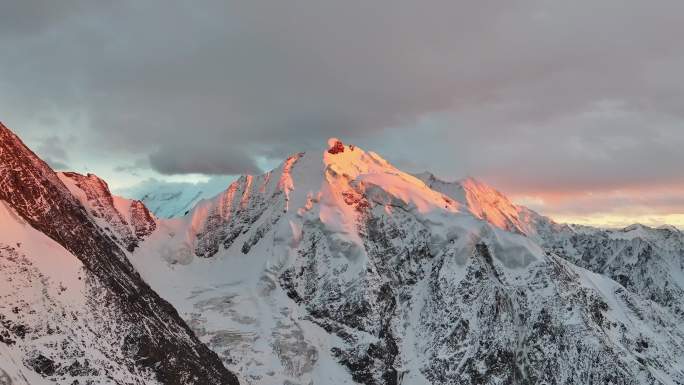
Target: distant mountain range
170 200
334 268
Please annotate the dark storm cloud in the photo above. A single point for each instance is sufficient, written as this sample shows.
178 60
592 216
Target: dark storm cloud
649 203
529 94
209 160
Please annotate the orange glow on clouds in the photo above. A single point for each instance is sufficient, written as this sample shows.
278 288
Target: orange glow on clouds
649 205
620 221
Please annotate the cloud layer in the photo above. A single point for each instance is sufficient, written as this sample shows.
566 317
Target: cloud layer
533 96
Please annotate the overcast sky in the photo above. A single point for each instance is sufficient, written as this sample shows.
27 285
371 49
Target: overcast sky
575 108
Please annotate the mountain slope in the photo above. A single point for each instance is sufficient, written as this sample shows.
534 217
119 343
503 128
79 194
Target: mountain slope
340 268
647 261
143 329
51 329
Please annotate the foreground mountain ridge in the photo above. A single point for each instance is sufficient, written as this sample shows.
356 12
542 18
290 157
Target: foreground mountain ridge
340 268
138 337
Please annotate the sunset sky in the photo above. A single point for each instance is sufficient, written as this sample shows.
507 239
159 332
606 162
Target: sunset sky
573 108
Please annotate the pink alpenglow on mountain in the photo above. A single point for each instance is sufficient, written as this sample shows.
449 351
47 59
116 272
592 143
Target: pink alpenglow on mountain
336 267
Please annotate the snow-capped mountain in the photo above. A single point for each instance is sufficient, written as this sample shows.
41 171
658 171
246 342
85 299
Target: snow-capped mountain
338 268
72 307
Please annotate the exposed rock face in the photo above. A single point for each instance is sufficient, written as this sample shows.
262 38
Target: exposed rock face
128 222
644 260
142 220
252 203
336 147
152 336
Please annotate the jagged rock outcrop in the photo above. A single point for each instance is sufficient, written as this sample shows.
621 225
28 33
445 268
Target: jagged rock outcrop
336 146
128 222
251 204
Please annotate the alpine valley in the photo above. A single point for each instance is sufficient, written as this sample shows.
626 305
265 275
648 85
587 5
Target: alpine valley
334 268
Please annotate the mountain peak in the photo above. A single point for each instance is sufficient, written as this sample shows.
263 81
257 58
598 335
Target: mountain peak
669 228
644 231
636 226
97 186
